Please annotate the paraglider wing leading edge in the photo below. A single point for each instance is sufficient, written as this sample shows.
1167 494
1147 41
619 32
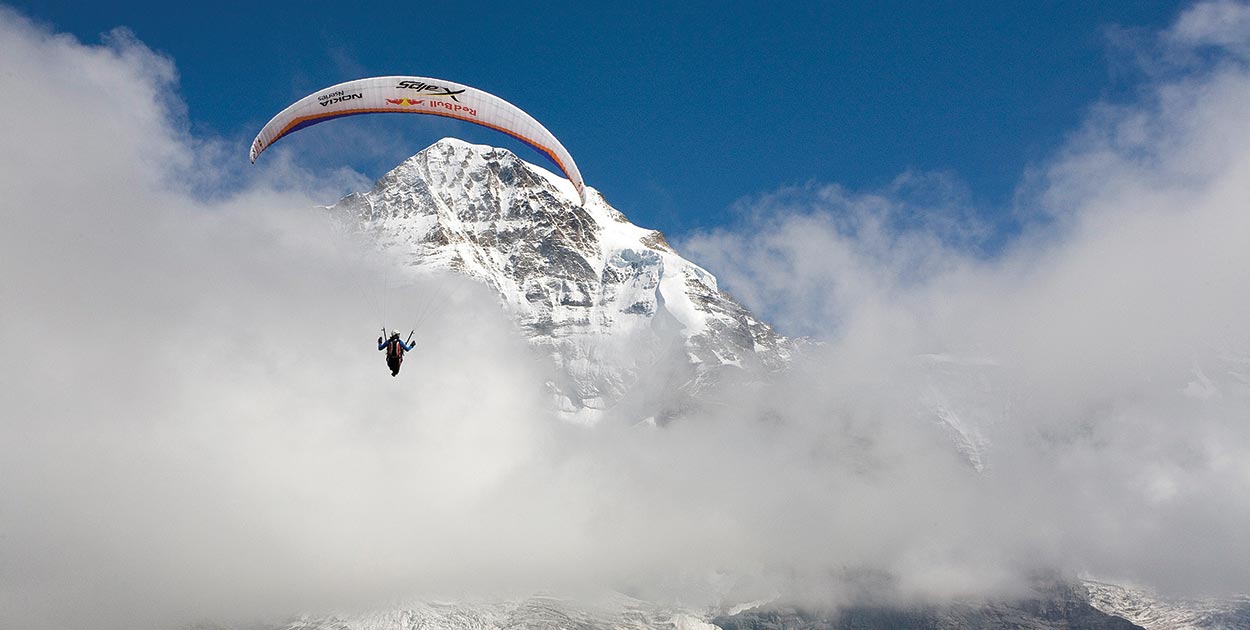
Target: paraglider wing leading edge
419 95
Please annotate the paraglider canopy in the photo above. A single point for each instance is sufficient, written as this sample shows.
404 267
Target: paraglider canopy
419 95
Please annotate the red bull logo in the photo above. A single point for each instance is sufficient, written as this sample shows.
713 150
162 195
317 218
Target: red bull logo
454 107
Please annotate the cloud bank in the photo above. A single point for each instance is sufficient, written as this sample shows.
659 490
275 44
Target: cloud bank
194 425
1103 355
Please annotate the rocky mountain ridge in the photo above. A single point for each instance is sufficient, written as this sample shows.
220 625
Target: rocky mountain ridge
606 299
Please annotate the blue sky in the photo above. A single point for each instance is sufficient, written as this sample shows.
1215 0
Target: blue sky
673 110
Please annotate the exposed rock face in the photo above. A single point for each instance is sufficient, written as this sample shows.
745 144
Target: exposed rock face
1153 612
533 613
607 299
1057 607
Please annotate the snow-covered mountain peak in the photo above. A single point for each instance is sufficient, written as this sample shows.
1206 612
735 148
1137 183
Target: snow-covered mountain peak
606 298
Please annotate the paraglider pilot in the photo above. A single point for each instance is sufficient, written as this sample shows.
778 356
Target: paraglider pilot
395 349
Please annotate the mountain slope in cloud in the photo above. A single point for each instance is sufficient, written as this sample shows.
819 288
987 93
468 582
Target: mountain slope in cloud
1153 612
557 269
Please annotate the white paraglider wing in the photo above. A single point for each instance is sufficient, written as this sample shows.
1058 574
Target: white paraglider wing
419 95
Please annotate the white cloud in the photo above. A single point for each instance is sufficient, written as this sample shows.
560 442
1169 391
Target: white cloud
194 420
1102 319
1223 24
